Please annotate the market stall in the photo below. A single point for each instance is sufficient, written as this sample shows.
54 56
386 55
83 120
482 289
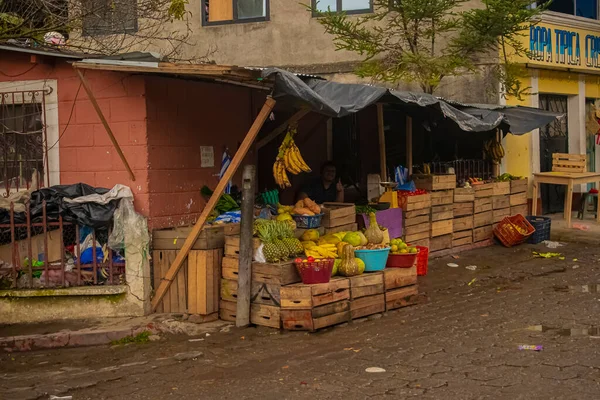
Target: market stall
307 264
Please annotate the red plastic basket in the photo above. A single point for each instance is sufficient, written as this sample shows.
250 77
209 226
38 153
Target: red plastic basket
513 230
422 260
316 271
401 260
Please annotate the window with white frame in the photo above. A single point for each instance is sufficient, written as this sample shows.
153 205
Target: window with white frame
347 6
28 135
217 12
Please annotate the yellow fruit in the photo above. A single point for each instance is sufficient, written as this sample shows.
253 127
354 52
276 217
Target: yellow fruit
307 244
404 251
353 238
394 248
284 217
311 234
340 235
361 265
402 246
413 250
331 239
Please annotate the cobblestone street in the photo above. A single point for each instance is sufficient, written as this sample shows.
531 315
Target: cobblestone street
460 343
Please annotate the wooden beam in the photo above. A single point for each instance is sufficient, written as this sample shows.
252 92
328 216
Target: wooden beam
242 317
382 155
281 128
212 202
105 123
409 146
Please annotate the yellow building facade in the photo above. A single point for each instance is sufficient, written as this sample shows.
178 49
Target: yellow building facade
563 73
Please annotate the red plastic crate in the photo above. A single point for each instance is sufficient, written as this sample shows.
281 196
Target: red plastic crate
422 260
508 233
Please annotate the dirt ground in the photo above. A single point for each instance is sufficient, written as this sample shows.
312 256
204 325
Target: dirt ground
461 343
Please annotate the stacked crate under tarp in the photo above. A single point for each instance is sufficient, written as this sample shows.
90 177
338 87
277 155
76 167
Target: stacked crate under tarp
267 280
416 219
483 216
518 197
500 201
462 225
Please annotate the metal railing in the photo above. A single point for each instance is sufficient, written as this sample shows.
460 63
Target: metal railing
49 253
465 169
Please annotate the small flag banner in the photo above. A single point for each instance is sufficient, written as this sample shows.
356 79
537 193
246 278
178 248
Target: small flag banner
225 161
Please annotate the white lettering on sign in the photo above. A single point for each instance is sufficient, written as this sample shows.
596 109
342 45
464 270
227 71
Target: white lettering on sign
207 156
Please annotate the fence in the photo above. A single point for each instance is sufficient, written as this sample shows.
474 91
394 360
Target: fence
465 169
54 253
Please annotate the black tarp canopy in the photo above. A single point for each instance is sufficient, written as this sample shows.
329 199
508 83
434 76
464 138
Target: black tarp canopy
340 99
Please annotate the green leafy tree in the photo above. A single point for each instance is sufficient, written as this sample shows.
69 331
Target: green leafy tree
425 41
100 26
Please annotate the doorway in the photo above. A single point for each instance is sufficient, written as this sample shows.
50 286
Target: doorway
554 138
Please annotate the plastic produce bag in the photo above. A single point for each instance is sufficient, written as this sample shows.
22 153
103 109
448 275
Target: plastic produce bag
259 255
128 223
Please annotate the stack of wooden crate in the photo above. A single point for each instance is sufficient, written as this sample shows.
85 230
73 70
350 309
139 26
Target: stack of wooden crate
366 294
195 288
462 225
312 307
400 285
518 197
442 214
267 281
483 216
339 217
416 219
500 201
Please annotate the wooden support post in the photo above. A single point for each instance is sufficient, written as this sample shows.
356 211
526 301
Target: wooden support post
499 139
245 265
105 123
381 129
409 149
212 202
281 128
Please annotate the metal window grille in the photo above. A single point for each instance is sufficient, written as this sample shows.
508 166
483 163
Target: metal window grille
104 17
23 140
557 104
464 169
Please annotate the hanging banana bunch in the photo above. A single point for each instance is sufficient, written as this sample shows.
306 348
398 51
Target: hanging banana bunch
288 159
494 151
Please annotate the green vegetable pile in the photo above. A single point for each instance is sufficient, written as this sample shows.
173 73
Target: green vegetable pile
506 177
366 209
226 202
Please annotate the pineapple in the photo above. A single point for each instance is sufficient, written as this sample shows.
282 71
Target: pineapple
266 237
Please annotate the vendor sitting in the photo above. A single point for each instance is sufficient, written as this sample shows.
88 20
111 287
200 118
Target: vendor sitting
324 188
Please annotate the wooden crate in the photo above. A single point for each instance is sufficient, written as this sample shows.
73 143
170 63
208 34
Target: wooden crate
416 237
482 205
419 202
463 209
311 319
462 223
462 238
483 233
421 219
367 305
416 229
231 229
415 213
420 242
440 228
402 297
434 182
195 289
440 243
264 315
518 199
462 195
440 213
300 296
394 278
562 162
343 228
522 209
227 310
442 197
483 219
282 273
367 284
338 214
501 188
484 190
499 202
211 237
499 215
518 186
232 245
260 293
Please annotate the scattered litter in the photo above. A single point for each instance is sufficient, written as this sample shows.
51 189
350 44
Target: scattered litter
532 347
575 266
243 337
351 349
484 315
195 340
455 257
548 255
175 240
303 383
226 329
561 258
374 370
472 281
471 267
285 367
552 245
208 334
574 260
581 227
452 265
52 397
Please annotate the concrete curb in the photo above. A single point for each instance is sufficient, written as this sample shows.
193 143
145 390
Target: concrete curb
70 338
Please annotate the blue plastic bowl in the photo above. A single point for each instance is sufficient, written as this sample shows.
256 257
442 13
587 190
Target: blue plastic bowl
375 260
